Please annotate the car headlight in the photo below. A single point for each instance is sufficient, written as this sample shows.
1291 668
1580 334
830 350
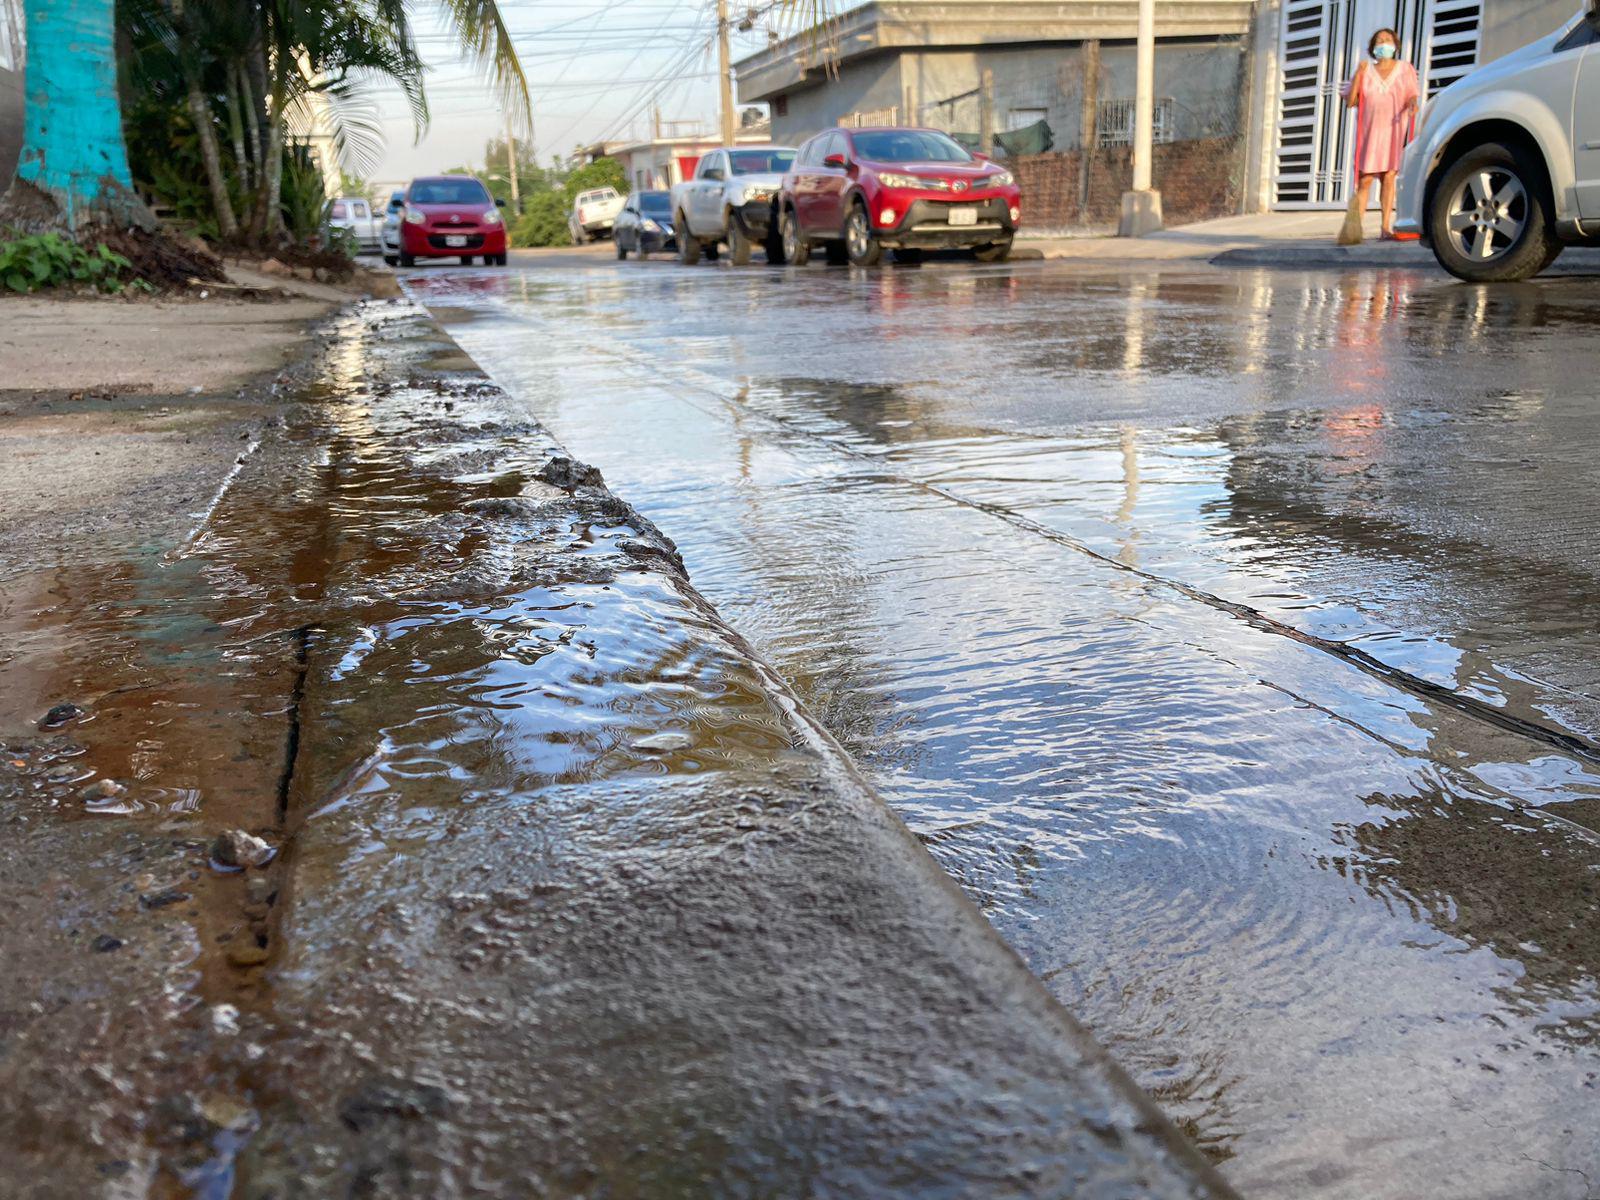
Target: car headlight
1002 179
895 180
649 226
491 216
753 193
415 216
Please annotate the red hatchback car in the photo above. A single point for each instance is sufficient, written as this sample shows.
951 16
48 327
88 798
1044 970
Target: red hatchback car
451 216
859 191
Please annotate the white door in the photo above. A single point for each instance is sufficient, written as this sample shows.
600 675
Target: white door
1320 45
1586 132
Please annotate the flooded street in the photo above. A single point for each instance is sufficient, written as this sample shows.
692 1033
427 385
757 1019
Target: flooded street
1229 637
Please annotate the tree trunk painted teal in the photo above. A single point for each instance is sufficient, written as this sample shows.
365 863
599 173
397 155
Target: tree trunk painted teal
72 150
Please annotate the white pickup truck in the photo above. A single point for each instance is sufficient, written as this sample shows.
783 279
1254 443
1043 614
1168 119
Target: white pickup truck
730 199
593 214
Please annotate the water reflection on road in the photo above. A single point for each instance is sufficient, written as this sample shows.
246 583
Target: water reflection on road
1230 637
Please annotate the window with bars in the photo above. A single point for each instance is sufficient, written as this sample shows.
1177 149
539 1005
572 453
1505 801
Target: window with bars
875 116
1113 122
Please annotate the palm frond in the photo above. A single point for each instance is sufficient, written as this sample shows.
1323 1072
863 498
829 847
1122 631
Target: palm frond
482 30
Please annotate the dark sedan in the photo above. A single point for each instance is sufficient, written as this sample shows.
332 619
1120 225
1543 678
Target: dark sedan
644 225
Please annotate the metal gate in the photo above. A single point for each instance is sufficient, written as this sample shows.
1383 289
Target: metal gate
1320 44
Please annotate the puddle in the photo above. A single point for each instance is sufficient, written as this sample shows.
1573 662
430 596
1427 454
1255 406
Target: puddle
1340 924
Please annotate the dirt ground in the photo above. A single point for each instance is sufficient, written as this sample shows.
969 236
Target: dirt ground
120 419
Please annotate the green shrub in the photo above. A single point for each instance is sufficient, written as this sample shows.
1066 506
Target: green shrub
302 195
602 172
544 223
48 260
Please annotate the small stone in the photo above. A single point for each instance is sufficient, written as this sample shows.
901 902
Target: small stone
238 849
273 267
568 474
60 715
247 952
258 889
661 743
105 943
163 899
225 1019
100 791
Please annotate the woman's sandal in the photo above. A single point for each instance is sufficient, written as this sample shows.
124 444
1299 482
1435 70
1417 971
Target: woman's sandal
1388 236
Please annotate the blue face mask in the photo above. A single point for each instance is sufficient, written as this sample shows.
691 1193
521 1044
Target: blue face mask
1384 51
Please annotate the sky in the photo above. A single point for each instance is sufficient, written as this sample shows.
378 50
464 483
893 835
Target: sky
596 69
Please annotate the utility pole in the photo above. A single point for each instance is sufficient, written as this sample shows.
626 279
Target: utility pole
723 71
1141 207
511 168
986 112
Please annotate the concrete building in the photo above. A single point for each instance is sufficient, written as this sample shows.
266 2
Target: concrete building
924 62
11 60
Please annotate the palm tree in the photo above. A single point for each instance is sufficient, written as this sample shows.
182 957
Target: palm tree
270 56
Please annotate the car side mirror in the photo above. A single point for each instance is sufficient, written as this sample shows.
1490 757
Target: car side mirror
836 161
1591 13
499 203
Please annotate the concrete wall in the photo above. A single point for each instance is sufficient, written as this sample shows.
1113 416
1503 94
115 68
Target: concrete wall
1508 24
11 59
1204 78
862 85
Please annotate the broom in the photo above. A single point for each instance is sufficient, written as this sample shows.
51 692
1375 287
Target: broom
1350 232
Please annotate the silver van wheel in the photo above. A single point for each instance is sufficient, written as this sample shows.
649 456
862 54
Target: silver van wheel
1487 213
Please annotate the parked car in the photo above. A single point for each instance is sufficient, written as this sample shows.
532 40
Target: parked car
351 216
861 191
731 199
389 236
644 224
594 212
451 216
1505 167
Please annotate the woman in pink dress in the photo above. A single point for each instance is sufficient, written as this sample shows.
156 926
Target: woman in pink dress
1384 93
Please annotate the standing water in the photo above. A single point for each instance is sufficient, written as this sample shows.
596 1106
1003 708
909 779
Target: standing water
1229 637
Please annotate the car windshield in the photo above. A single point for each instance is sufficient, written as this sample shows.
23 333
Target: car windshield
449 191
909 145
760 162
657 204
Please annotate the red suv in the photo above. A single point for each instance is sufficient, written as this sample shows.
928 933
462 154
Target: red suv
858 191
451 216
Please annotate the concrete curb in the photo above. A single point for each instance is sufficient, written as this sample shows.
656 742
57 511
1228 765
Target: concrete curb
657 966
1383 256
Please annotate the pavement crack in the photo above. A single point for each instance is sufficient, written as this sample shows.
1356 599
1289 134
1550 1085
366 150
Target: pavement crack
301 639
1568 743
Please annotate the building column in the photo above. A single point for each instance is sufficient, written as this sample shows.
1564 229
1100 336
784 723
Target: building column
1262 110
1141 206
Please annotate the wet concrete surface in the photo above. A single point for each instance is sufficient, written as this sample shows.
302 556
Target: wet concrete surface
566 894
1229 636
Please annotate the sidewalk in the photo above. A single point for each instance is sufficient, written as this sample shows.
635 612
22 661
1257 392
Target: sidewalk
1279 239
569 898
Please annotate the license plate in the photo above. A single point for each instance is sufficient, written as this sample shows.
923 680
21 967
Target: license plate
963 216
461 241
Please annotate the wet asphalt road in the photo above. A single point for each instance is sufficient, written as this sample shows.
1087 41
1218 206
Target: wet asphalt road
1230 636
